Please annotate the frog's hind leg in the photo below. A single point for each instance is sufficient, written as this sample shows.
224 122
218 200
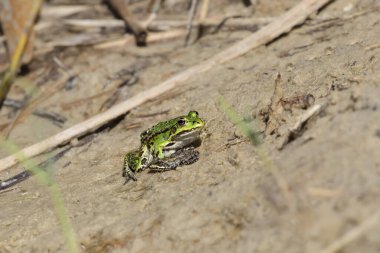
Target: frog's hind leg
180 158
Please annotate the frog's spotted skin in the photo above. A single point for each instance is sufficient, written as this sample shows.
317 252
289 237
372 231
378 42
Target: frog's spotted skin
165 146
182 157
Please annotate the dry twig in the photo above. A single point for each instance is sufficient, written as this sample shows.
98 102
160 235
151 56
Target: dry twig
193 11
60 11
152 37
296 130
94 23
54 117
137 29
323 192
281 25
275 107
204 10
353 234
372 47
233 22
33 105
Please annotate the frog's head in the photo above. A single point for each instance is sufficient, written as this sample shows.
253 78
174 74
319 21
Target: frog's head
188 123
187 128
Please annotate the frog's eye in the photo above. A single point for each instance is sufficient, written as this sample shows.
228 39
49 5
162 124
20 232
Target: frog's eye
196 113
181 122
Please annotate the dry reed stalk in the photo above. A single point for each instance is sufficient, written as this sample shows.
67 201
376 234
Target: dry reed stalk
163 25
204 10
189 26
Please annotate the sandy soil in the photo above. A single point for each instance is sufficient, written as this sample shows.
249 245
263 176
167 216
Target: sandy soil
228 201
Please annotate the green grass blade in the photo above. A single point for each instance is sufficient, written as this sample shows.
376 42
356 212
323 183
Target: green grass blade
237 120
45 178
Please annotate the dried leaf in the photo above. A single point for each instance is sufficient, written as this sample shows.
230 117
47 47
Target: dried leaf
17 19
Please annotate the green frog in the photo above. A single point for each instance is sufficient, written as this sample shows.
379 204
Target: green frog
166 146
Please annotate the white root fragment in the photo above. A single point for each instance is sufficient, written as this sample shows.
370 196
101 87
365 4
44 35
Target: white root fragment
295 131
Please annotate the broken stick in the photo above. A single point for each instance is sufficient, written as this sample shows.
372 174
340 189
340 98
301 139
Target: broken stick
296 130
137 29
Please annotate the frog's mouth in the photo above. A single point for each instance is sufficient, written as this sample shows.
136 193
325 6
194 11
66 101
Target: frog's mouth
185 139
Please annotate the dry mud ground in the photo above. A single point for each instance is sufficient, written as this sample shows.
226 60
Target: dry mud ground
228 201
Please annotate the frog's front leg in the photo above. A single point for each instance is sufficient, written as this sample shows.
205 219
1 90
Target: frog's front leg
180 158
127 171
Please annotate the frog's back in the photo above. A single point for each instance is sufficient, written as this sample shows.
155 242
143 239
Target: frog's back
157 129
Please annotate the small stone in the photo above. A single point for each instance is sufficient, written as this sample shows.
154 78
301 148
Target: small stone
329 50
334 99
348 7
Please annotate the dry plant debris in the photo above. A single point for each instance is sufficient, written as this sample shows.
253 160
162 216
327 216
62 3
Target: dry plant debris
273 116
298 128
302 102
17 20
192 13
137 29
